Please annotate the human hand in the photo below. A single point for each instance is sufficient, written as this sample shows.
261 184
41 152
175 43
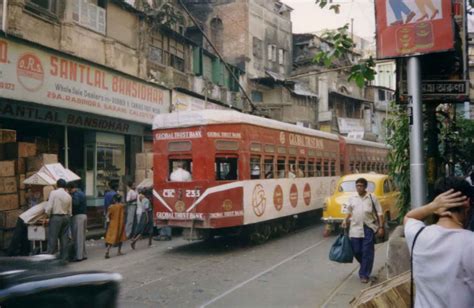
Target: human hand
344 224
447 200
380 232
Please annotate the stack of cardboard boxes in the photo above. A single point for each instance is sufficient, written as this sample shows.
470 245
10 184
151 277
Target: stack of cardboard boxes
144 167
18 161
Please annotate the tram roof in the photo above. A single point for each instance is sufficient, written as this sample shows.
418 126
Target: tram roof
366 143
209 117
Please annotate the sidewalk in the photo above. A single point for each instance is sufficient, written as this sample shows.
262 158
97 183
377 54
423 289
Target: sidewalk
351 287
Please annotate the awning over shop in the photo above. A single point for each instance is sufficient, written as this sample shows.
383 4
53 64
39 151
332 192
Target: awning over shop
50 174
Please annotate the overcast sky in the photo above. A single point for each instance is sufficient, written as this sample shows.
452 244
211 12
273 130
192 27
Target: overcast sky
308 17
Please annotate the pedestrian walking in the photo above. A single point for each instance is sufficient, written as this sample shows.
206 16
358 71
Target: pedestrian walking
131 209
108 198
78 222
366 221
59 210
443 270
144 220
115 235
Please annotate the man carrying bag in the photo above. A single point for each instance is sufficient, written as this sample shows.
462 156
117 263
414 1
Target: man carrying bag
366 223
341 250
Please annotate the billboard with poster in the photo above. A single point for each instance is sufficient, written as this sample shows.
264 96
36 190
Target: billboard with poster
408 27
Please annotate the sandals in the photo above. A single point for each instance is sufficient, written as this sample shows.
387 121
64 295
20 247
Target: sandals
107 256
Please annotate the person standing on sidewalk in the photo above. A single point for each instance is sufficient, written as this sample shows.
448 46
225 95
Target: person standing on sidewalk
144 220
364 226
443 268
59 211
115 235
78 222
131 210
108 199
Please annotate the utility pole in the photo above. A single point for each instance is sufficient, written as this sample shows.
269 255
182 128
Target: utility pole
417 165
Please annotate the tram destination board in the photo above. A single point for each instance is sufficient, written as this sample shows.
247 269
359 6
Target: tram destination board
449 90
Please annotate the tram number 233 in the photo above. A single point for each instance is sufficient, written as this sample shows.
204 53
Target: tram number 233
188 193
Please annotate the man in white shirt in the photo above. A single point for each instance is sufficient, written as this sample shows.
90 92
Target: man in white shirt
180 174
132 198
443 266
364 226
59 210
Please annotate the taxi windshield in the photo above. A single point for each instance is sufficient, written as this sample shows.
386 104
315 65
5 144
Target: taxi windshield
350 186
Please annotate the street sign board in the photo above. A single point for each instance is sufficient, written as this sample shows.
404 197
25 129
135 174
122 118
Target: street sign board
406 28
439 89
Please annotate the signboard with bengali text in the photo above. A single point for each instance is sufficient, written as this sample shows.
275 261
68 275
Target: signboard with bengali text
407 28
35 75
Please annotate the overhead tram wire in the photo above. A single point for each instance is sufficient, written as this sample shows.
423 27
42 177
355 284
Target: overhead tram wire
253 107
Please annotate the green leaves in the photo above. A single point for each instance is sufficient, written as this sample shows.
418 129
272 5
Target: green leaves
399 155
323 3
362 72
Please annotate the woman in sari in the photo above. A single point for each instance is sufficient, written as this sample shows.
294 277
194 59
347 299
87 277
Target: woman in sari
116 231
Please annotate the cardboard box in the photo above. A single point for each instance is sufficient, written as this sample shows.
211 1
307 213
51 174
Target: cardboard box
9 202
8 218
22 197
7 168
7 135
36 162
8 185
5 238
20 165
144 160
19 149
20 178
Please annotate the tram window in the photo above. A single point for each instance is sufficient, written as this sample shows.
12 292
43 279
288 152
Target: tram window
255 167
226 168
319 168
179 146
268 163
269 148
310 168
281 167
301 168
225 145
255 147
180 170
291 168
333 168
326 168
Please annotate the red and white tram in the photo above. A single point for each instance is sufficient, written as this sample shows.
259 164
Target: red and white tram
247 171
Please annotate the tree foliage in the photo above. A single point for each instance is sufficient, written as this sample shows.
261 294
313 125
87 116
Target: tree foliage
342 45
399 154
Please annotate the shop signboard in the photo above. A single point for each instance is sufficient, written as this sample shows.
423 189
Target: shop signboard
38 113
440 89
184 102
406 28
34 75
347 125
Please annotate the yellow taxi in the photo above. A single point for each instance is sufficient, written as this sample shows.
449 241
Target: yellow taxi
380 185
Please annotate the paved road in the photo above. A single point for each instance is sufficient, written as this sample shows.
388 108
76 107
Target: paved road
290 271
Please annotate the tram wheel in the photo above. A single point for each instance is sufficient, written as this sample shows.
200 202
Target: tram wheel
260 233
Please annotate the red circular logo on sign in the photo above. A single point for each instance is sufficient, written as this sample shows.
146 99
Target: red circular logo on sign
293 195
278 198
30 72
258 200
307 194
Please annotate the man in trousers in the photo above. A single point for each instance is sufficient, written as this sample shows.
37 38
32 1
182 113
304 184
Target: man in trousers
59 211
78 222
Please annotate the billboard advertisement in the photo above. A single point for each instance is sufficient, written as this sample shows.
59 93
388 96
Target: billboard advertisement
413 27
38 76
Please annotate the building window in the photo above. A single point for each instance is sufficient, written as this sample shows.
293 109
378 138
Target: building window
281 56
257 96
257 48
272 52
166 51
43 5
381 95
